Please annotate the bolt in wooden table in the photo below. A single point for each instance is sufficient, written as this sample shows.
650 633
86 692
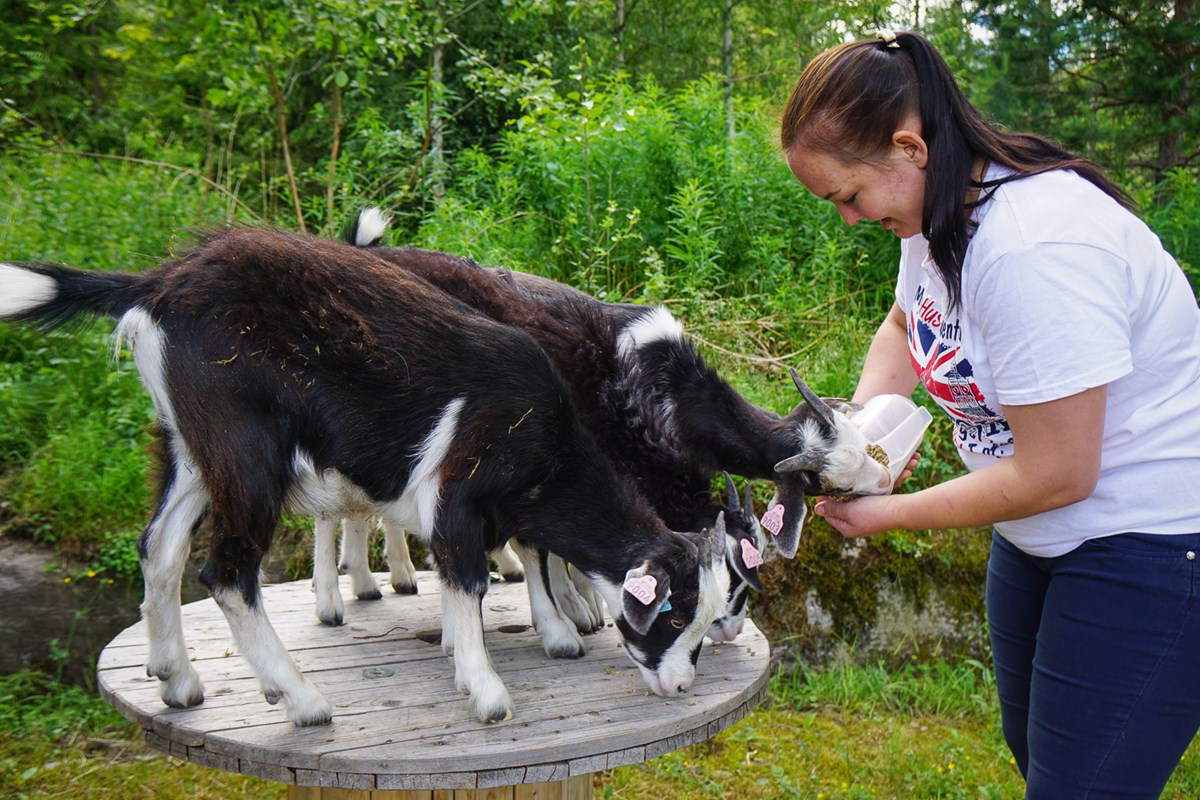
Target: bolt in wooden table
401 731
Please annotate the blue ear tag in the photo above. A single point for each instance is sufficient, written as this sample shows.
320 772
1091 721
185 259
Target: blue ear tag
666 606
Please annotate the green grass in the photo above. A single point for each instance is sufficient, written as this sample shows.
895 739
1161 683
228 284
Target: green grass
850 732
62 741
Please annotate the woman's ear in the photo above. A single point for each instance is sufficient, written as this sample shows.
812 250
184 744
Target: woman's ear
912 145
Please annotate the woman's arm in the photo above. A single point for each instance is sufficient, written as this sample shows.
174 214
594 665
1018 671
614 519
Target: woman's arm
888 365
1055 462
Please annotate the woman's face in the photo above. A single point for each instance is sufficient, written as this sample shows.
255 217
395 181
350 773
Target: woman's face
889 190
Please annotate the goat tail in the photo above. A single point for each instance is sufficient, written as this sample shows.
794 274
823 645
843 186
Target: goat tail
51 295
367 229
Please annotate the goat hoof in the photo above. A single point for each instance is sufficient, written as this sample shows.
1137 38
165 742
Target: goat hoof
308 722
322 714
402 588
513 577
332 620
508 714
370 594
567 651
183 691
272 696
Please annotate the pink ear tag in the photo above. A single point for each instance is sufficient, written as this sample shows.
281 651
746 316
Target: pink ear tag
751 556
773 519
642 588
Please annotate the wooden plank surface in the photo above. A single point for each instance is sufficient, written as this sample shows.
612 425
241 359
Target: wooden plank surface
399 723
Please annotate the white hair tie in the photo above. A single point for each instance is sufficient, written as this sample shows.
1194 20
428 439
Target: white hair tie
888 37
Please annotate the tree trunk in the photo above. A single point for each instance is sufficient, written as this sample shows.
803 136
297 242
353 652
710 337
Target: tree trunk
333 150
281 118
618 31
437 161
727 58
210 147
281 121
1170 142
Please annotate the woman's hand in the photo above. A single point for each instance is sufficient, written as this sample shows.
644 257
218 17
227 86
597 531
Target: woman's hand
1055 462
907 472
863 516
853 518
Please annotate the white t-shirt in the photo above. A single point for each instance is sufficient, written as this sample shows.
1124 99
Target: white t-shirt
1064 290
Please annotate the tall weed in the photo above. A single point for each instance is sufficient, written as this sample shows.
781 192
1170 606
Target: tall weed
630 191
1176 219
74 425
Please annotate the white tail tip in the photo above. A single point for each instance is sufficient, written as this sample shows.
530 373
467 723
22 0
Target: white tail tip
22 290
371 225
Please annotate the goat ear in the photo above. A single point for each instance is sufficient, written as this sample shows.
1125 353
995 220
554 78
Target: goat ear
744 556
823 412
785 519
643 594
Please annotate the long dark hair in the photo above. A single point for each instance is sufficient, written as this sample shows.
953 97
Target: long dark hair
853 97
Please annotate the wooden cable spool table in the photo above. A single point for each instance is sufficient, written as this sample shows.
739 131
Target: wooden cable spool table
400 730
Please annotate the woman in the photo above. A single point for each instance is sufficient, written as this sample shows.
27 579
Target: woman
1064 342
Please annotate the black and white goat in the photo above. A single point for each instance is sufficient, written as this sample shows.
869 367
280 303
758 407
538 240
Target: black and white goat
291 372
666 419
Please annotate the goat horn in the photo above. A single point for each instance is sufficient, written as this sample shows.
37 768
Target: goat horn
802 462
818 405
712 541
731 493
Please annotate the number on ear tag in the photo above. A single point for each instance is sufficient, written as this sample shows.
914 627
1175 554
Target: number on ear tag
773 519
751 556
642 588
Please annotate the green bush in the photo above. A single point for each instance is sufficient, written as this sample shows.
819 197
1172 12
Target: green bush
74 424
1174 214
630 192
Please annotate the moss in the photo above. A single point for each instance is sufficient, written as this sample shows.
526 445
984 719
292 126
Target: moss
847 578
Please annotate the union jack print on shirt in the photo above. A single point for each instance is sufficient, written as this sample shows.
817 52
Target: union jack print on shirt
935 346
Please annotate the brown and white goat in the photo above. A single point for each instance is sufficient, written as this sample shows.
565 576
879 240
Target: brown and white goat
666 419
288 372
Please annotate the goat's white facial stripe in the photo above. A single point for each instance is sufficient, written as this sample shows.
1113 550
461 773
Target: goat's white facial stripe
847 465
658 324
676 667
23 290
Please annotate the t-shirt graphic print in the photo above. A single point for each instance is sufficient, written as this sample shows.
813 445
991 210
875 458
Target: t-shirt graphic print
935 344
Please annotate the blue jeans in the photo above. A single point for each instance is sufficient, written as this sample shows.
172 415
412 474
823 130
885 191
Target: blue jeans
1097 657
